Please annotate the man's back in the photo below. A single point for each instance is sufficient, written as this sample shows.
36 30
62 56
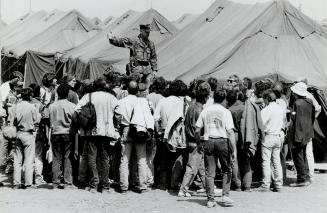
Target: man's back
216 121
165 107
26 116
61 113
304 118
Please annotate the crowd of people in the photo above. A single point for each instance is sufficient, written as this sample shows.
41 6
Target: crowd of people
116 132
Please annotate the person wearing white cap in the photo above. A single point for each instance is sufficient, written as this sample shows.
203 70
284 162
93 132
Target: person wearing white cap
309 151
301 131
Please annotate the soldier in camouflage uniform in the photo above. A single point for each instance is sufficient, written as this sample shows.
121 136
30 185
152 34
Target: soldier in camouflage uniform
143 57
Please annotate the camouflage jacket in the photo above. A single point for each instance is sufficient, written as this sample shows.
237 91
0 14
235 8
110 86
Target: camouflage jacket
141 52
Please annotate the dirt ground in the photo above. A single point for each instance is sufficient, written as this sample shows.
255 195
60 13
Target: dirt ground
309 199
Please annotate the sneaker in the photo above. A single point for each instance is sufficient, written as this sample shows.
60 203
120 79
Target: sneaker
61 186
70 186
30 187
181 193
200 191
123 191
247 190
262 189
301 184
211 204
39 182
238 189
217 192
20 186
226 201
93 190
278 189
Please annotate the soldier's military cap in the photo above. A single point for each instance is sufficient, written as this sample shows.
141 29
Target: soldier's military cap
145 27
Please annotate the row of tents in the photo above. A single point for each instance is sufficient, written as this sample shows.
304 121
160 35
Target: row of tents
272 39
254 40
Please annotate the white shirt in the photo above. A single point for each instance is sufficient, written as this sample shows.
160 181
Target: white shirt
273 118
165 107
104 104
125 108
216 121
209 102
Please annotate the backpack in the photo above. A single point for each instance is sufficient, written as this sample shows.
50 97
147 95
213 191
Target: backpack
176 137
87 118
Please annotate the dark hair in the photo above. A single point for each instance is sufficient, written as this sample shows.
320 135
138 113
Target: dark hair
175 87
26 93
213 82
193 87
99 84
158 85
48 79
16 74
63 90
269 95
183 88
202 92
219 95
247 82
36 90
231 97
260 87
166 91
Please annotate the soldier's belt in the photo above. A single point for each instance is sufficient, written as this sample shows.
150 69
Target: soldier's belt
140 63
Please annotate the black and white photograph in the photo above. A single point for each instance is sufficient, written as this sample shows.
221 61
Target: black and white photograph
163 106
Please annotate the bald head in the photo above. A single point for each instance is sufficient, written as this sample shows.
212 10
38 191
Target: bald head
132 88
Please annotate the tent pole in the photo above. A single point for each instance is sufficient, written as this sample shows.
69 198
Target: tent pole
0 62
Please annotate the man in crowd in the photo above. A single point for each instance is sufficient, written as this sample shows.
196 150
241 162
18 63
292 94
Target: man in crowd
273 116
301 131
98 139
217 123
165 108
195 163
127 110
25 117
61 113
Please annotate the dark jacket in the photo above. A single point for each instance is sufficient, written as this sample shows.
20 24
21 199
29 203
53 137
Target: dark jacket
303 117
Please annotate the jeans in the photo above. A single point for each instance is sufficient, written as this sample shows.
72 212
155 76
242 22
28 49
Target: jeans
24 149
283 156
215 149
300 162
40 140
195 165
151 149
271 159
4 150
61 165
236 177
310 159
98 146
171 165
140 150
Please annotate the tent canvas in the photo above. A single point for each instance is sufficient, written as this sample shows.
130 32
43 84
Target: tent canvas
29 29
248 40
185 20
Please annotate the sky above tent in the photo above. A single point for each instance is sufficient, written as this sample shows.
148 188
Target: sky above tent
171 9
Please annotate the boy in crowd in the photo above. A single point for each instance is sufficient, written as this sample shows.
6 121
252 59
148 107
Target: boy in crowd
61 113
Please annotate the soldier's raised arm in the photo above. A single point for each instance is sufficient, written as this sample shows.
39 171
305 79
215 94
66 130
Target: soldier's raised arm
120 42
